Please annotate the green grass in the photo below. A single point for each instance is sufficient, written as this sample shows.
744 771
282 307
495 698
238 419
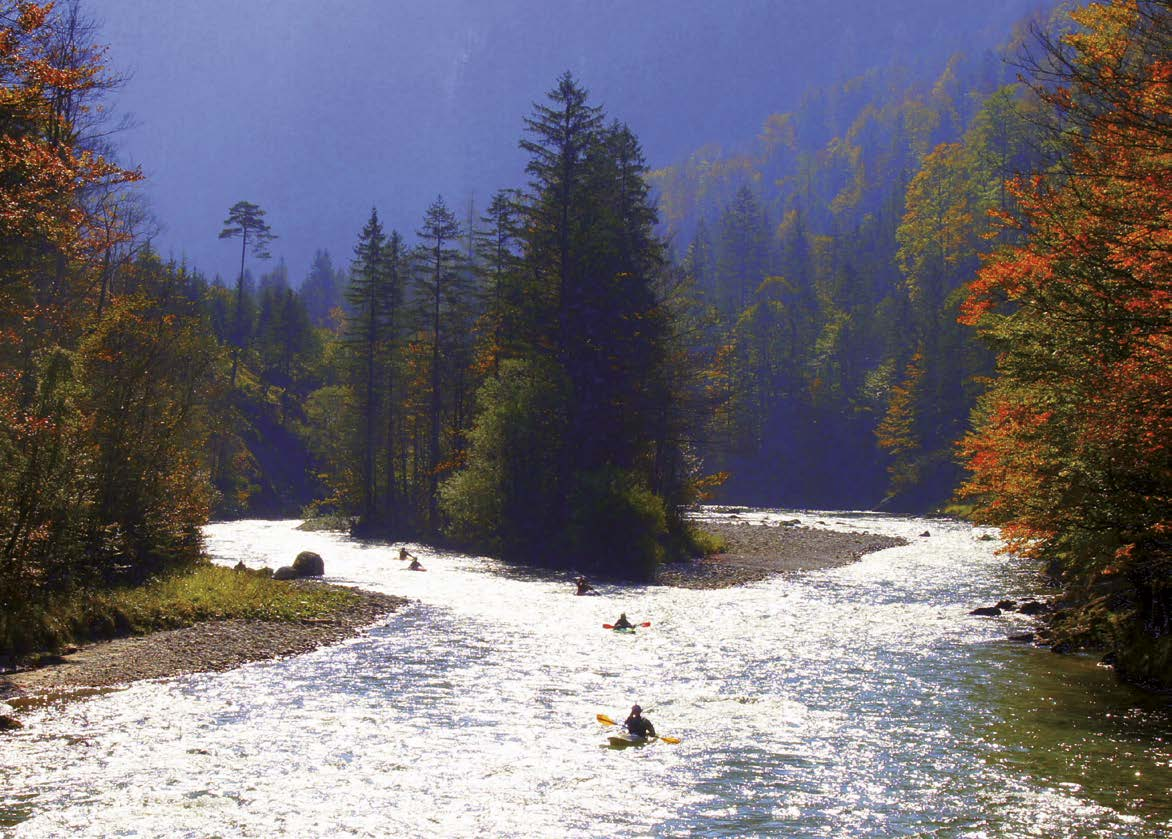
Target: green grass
703 543
181 598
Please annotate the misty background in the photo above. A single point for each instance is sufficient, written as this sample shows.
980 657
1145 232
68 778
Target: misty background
319 110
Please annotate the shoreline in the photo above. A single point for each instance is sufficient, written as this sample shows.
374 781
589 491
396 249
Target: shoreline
754 552
207 646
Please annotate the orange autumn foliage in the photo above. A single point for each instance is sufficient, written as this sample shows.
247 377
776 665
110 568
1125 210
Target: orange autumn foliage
1071 452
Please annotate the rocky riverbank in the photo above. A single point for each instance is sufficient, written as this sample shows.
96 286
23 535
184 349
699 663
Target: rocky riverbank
757 551
205 646
753 552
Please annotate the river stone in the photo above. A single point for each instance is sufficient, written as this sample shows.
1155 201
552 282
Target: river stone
285 572
8 723
988 611
1006 604
309 564
1031 607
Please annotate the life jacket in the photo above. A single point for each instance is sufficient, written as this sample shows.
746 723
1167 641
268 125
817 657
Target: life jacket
639 726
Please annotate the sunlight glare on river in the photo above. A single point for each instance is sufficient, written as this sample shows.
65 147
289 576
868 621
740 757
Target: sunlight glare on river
862 701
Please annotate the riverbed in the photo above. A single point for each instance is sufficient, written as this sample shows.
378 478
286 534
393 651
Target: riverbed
858 701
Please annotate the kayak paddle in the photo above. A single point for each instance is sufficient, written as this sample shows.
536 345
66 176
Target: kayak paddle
611 625
605 720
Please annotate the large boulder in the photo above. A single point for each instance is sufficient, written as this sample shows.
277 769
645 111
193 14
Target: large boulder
285 572
309 564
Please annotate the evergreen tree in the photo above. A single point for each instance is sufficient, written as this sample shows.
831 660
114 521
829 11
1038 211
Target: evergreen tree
590 386
245 221
497 243
742 260
391 301
442 292
364 335
321 291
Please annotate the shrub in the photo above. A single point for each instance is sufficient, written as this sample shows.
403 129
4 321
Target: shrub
618 524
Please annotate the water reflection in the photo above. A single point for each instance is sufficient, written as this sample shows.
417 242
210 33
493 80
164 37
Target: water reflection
862 701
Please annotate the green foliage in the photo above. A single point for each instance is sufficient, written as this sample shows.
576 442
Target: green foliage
618 524
702 543
871 201
1069 454
181 597
500 500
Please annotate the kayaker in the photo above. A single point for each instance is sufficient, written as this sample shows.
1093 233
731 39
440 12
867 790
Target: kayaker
404 555
415 566
638 724
583 585
623 623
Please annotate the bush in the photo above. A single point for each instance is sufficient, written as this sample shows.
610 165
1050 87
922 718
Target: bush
503 500
618 525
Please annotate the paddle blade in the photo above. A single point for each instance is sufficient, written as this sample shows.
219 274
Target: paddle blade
645 623
605 720
670 739
608 626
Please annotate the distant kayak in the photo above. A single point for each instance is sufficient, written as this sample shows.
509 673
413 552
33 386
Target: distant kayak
621 741
630 628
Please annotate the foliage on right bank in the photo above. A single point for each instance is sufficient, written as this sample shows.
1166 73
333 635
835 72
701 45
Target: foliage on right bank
1071 454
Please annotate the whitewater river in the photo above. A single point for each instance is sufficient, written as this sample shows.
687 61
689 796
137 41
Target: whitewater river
862 701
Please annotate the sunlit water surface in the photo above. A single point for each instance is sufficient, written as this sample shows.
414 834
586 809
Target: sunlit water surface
863 701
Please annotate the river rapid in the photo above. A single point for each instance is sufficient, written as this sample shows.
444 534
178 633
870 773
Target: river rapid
862 701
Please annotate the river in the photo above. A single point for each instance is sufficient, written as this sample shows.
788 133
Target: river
862 701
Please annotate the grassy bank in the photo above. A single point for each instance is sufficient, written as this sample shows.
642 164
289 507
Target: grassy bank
199 593
699 542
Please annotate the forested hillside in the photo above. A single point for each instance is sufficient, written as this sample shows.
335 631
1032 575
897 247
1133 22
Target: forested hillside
831 254
555 375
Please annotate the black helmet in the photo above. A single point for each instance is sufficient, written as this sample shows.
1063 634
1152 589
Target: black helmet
635 709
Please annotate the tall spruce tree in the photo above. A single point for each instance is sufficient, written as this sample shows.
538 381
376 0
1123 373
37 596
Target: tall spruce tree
391 301
566 458
497 255
441 288
364 335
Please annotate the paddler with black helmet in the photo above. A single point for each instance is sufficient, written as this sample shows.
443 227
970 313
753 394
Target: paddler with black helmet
637 724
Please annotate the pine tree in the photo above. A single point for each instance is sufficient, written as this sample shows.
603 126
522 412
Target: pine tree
496 248
442 291
321 292
245 221
575 448
391 301
364 335
742 260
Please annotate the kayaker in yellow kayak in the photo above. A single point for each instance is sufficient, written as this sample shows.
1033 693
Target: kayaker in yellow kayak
638 724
